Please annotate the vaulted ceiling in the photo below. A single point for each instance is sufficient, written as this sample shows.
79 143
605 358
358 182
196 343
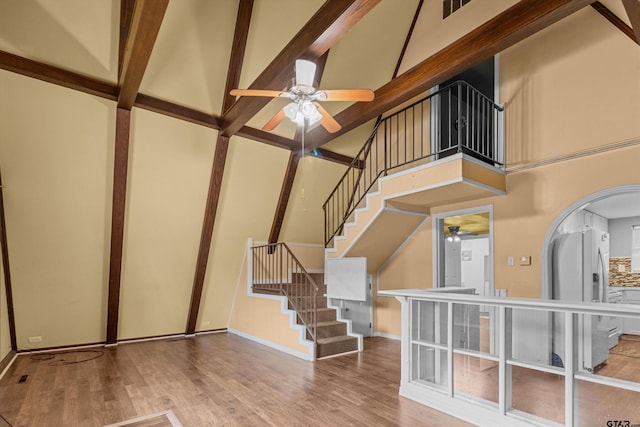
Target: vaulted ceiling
181 58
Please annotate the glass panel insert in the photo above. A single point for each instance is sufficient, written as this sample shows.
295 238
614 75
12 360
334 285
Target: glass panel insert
538 393
429 323
601 405
477 377
428 365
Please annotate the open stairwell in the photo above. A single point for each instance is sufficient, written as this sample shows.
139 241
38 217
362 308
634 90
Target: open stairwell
332 336
410 164
386 217
276 271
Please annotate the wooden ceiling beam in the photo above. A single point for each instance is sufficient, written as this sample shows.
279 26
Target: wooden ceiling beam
106 90
206 235
243 21
177 111
283 199
614 19
126 14
319 34
504 30
145 25
57 76
238 48
120 167
633 12
408 38
4 249
266 138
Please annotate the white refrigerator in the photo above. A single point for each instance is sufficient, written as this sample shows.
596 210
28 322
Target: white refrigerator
580 273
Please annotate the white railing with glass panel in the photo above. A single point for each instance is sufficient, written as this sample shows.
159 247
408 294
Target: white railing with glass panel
463 354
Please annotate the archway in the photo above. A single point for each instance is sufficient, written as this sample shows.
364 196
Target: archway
600 197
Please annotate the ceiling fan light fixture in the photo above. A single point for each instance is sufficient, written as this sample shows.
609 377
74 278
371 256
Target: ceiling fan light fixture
454 230
299 112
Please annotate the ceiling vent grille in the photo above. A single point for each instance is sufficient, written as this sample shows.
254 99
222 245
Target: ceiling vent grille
450 6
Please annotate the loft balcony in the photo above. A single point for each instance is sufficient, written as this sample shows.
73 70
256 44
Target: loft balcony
443 149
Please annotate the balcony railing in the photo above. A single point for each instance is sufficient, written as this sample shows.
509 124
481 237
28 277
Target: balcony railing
486 367
276 270
455 119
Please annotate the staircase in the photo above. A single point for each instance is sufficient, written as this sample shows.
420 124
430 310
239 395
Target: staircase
332 337
400 174
463 160
277 271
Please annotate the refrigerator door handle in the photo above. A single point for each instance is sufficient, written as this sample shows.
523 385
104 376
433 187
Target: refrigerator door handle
602 281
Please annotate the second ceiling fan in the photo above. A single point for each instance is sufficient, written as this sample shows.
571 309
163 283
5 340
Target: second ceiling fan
304 108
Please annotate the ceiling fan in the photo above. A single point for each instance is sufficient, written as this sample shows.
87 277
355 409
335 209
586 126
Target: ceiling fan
455 233
304 108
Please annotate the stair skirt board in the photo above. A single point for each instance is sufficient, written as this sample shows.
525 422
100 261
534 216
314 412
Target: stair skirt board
293 324
349 326
302 331
304 356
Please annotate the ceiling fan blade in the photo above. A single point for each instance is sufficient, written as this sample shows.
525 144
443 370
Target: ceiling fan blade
275 121
327 121
348 95
256 92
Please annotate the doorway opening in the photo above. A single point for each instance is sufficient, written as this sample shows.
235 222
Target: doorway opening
461 119
463 258
586 258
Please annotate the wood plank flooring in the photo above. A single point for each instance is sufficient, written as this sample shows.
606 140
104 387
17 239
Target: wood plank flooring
212 380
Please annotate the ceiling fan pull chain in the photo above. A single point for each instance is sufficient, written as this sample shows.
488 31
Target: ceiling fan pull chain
304 207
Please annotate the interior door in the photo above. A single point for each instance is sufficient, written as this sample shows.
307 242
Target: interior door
359 312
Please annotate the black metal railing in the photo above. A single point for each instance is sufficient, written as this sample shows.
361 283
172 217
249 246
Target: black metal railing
276 270
466 121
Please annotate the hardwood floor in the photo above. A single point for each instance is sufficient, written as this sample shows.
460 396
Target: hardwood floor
212 380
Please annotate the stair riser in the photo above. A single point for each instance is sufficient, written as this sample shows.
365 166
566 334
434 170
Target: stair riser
306 304
330 331
324 350
324 315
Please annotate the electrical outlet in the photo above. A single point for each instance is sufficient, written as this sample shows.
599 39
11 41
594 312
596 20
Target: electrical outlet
34 339
510 261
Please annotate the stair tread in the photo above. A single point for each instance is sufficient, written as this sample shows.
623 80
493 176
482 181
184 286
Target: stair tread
335 339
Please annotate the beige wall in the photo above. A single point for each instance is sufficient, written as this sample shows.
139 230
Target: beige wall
251 185
304 219
169 169
56 157
262 317
565 91
432 33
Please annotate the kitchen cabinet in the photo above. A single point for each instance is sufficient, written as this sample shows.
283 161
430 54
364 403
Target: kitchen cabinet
631 326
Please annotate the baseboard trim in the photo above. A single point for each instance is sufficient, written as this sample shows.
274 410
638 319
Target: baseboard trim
292 352
6 363
389 336
462 409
